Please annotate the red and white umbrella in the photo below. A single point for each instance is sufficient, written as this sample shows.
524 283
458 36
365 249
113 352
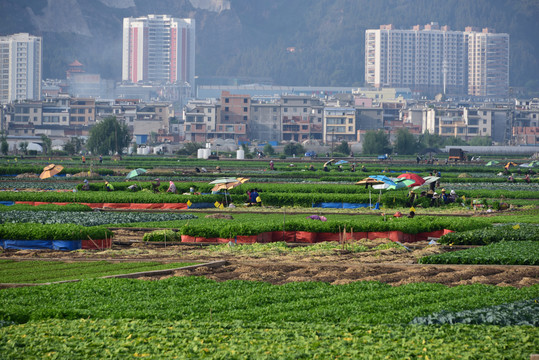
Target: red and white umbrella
418 179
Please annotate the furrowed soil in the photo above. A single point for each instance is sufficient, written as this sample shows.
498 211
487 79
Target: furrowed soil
395 266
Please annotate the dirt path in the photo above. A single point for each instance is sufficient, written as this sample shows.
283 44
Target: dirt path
394 266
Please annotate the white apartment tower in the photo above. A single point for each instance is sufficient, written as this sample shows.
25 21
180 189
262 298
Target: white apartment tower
434 59
20 67
158 48
488 62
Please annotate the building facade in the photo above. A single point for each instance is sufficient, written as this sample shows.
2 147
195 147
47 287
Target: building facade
434 59
20 67
488 62
158 48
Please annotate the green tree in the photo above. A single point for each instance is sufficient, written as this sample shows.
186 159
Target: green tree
405 143
453 140
190 148
481 141
23 147
269 150
4 146
109 136
69 148
343 148
376 142
293 148
46 143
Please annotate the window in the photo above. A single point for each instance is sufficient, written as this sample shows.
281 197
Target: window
484 121
209 111
209 118
245 100
304 110
245 118
226 117
227 100
89 111
160 110
285 109
226 108
274 109
256 109
244 109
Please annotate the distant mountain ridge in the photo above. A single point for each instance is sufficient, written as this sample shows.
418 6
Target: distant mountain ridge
255 37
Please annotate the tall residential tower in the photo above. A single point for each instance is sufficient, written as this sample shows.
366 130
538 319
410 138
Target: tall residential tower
20 67
158 48
434 59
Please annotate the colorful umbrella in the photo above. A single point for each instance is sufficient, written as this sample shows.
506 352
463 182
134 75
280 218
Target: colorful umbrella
418 179
50 170
135 172
492 163
340 162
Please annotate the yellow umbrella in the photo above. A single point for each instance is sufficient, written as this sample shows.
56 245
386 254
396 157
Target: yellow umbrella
50 170
229 185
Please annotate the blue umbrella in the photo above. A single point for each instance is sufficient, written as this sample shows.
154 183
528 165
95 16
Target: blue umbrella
384 179
340 162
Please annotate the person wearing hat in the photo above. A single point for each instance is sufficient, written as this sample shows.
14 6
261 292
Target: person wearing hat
85 186
108 186
445 198
411 198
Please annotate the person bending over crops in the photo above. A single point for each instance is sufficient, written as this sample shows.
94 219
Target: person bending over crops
108 186
171 187
85 185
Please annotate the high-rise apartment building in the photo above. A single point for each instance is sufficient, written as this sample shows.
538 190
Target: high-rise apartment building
434 59
158 48
20 67
488 62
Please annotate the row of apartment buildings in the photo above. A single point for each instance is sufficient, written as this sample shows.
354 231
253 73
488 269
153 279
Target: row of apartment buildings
297 118
62 118
434 59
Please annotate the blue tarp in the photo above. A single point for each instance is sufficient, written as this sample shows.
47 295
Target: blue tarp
201 205
336 205
41 244
7 203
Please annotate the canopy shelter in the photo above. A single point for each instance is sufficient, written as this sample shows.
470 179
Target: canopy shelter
50 171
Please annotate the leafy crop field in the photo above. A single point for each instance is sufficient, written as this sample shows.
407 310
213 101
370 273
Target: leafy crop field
503 253
195 317
50 271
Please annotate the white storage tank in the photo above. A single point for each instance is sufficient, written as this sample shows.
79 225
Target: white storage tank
207 153
200 153
240 154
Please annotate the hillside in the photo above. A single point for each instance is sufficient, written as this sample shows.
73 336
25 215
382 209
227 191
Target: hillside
250 38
